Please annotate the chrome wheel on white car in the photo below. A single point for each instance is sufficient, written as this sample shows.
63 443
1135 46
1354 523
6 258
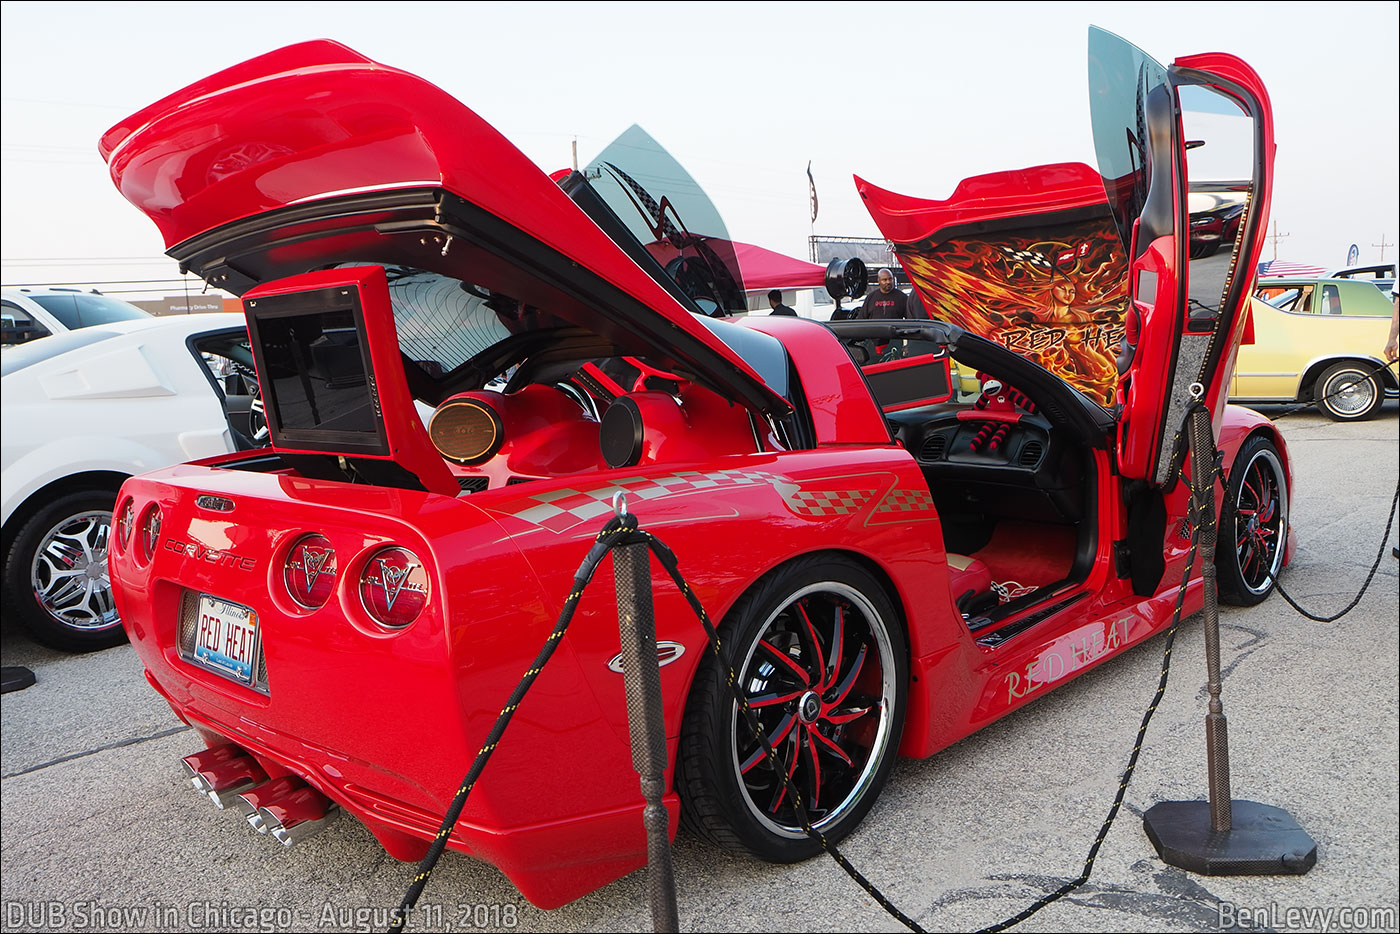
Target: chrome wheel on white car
56 573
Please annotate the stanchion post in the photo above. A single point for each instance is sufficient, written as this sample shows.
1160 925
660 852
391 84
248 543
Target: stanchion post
636 624
1222 836
1217 732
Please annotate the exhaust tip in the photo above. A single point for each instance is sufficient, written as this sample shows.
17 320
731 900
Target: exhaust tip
249 802
297 815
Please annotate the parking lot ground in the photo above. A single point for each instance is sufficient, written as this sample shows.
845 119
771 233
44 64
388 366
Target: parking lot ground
99 831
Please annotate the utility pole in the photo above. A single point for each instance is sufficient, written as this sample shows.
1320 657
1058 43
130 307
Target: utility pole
575 145
1382 245
1277 237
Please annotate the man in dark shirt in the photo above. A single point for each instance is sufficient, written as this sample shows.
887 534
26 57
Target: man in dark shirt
775 302
889 302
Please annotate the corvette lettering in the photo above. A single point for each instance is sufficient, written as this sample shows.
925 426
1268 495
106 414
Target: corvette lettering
200 552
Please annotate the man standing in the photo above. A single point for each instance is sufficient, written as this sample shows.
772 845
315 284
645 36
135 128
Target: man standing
775 302
889 302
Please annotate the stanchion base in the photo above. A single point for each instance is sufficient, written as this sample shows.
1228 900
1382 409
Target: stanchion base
1263 840
16 678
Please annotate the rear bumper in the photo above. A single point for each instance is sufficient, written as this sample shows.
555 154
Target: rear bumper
387 723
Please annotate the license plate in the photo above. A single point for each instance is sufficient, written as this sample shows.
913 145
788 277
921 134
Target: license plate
226 638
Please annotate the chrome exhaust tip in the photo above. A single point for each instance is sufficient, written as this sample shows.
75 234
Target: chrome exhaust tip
249 802
297 815
197 762
223 782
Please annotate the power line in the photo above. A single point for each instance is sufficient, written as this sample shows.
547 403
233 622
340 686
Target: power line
22 285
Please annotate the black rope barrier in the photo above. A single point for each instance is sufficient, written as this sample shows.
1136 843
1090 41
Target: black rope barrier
1375 566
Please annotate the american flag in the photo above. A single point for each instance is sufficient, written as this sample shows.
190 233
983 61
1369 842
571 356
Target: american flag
1282 267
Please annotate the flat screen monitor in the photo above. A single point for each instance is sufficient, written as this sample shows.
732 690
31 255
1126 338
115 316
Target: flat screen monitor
313 359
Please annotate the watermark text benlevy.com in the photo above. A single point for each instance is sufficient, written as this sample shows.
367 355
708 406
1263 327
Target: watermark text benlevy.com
1278 917
226 916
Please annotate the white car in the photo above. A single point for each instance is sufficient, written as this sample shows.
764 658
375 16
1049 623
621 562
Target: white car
84 410
28 314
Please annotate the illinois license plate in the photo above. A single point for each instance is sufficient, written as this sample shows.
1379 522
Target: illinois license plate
226 638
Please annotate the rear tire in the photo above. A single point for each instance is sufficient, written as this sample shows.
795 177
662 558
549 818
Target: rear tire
819 648
1347 392
56 574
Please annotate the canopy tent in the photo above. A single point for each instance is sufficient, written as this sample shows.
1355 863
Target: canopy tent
764 269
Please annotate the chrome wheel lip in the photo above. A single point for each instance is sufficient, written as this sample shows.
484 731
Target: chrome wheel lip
878 748
68 573
1243 526
1349 393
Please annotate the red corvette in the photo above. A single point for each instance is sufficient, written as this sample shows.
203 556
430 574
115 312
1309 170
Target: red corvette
463 359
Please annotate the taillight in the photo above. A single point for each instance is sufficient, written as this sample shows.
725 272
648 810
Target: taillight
126 521
149 533
394 587
310 572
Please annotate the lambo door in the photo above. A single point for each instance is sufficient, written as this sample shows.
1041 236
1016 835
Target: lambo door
1160 134
1088 271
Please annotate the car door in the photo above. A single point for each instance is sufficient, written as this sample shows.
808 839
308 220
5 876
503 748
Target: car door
1185 318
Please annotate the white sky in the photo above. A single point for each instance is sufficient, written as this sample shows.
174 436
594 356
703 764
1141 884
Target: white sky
912 97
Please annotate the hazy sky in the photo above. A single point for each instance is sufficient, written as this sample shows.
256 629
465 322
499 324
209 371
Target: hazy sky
912 97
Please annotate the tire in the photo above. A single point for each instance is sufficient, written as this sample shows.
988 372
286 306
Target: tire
1346 393
61 542
842 715
1253 525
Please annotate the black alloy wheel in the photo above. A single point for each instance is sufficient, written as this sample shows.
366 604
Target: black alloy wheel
820 657
1253 525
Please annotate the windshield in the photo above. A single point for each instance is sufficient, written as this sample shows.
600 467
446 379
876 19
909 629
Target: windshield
672 218
83 310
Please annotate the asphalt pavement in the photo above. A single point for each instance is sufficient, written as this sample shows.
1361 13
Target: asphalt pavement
100 831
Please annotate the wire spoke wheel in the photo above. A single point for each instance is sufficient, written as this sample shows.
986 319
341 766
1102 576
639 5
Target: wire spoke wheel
1346 392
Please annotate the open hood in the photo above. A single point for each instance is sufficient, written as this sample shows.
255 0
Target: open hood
313 156
1028 258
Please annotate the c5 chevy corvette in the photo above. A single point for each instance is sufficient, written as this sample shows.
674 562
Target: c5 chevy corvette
896 564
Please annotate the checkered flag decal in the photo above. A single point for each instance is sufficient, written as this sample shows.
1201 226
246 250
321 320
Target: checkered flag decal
562 509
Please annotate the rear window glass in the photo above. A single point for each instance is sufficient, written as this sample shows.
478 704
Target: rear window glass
84 310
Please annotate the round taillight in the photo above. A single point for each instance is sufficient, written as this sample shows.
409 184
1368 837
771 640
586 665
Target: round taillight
394 587
310 572
126 521
467 431
149 533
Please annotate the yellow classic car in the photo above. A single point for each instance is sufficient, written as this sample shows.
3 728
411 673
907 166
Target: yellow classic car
1318 340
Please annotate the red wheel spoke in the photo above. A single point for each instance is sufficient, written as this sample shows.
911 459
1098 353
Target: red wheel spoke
838 636
812 635
849 680
780 733
792 768
772 697
816 783
785 662
838 717
828 744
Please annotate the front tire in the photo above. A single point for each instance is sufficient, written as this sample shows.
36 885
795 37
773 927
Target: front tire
820 655
56 574
1346 392
1253 529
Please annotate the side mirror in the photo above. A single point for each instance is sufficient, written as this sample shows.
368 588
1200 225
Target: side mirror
846 278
